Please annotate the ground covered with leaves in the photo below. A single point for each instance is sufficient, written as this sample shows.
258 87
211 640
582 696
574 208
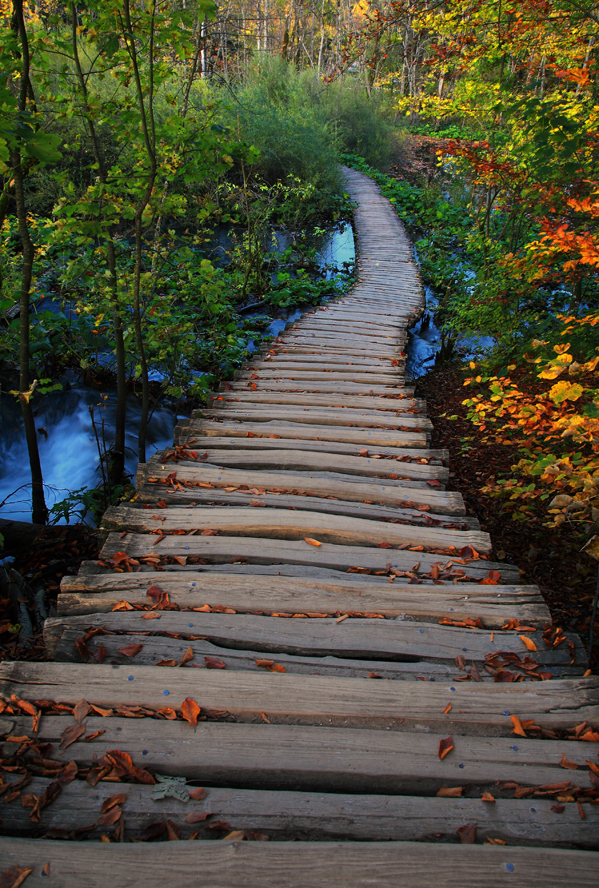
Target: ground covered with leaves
550 558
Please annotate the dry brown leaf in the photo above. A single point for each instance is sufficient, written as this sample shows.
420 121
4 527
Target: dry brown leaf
312 542
487 797
197 794
15 876
197 816
445 747
564 763
447 709
71 734
518 729
119 799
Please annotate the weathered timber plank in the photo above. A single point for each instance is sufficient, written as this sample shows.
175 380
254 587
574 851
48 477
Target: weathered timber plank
551 704
365 437
411 454
292 525
265 550
194 496
391 493
320 416
298 757
281 459
168 652
493 605
315 399
369 639
298 865
309 815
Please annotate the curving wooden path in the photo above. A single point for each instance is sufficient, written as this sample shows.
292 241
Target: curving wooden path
296 568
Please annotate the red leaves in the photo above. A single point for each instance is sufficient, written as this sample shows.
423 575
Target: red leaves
190 711
467 834
71 734
564 763
214 663
122 766
492 579
270 665
445 747
197 794
197 816
130 650
15 876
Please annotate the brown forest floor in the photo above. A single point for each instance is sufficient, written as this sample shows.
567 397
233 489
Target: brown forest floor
551 559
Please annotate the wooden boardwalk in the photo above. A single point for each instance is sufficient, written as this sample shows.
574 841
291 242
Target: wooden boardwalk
295 633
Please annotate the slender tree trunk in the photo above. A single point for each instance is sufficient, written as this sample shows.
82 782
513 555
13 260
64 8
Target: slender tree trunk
116 469
39 509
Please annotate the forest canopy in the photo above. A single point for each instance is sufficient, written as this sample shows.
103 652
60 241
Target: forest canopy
129 129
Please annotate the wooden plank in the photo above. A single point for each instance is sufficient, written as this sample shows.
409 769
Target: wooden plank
261 443
288 815
317 399
194 496
343 487
296 865
493 605
367 639
310 698
287 524
321 416
317 758
300 460
362 437
265 550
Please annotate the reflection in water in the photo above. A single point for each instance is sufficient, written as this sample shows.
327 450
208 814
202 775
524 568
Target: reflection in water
67 443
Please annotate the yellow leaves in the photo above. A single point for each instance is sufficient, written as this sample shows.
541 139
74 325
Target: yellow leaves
560 349
552 371
565 391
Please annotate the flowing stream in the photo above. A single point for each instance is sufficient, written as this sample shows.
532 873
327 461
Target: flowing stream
68 444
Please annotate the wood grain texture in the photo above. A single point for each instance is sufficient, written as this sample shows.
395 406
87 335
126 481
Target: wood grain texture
320 758
304 815
299 865
94 592
552 704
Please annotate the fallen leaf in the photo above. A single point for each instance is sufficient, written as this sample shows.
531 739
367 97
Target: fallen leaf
119 799
15 876
71 734
529 643
235 835
450 792
445 747
518 729
214 663
187 656
80 710
276 667
447 709
197 794
190 711
581 813
491 841
558 809
197 817
111 817
564 763
264 663
130 650
487 797
312 542
467 834
151 615
173 832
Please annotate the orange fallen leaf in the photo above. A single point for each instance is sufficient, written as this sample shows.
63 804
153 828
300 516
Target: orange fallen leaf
214 663
119 799
518 729
197 794
564 763
450 792
15 876
487 797
151 615
445 747
447 709
529 643
190 711
264 663
276 667
312 542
